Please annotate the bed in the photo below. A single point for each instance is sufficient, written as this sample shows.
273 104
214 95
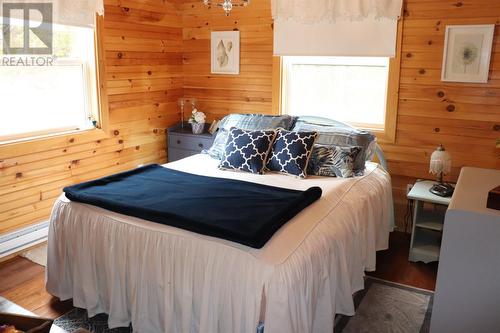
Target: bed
165 279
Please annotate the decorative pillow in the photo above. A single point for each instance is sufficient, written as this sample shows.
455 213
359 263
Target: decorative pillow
333 161
247 150
291 152
257 121
344 136
247 122
217 149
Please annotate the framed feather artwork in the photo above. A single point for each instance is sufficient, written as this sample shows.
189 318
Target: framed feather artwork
225 52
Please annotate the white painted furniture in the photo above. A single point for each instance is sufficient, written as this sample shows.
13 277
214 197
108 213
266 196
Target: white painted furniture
468 284
428 219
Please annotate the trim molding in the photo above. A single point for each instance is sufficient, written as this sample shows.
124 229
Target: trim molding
388 135
277 84
24 238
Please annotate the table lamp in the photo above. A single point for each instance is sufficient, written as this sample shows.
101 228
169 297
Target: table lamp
441 165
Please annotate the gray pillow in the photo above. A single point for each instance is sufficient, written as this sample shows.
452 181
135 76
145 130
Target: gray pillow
218 146
342 136
252 122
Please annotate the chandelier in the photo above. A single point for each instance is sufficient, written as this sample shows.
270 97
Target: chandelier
227 5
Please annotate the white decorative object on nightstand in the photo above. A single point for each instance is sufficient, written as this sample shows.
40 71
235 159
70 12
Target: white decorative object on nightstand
428 219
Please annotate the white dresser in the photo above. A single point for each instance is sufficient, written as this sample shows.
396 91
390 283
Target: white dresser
467 295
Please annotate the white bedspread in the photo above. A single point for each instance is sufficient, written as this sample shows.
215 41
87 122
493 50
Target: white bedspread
164 279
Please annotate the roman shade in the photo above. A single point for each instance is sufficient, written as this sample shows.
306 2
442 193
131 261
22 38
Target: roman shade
66 12
335 27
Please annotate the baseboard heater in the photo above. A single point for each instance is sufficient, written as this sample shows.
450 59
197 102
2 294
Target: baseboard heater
24 238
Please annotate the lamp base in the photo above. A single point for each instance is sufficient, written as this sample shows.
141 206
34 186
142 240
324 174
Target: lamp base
442 190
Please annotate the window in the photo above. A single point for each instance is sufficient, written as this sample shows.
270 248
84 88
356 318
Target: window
51 94
348 89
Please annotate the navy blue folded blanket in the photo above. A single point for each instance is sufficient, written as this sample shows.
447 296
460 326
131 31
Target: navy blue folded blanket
242 212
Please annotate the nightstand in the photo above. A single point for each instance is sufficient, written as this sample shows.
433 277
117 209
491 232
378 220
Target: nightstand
428 220
183 143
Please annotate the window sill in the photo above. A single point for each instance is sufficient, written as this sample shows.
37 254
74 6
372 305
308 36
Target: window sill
49 142
383 136
39 135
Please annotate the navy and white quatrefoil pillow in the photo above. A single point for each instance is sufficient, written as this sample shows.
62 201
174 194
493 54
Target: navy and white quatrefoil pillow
291 152
247 150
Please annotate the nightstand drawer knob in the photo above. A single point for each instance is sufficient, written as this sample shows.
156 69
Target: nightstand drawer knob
200 145
178 142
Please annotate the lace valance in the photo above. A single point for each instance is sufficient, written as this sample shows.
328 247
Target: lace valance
67 12
335 27
315 11
77 12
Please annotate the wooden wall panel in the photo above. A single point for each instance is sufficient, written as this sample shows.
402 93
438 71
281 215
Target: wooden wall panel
464 117
143 57
218 95
157 51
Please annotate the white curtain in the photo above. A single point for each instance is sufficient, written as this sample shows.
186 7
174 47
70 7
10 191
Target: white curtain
77 12
313 11
335 27
68 12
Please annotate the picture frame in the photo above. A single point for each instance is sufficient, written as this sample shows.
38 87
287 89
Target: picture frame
467 53
225 52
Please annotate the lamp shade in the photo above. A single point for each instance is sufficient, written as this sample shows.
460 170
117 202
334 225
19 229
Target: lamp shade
440 162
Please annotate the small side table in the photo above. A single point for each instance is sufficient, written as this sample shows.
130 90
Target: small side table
428 219
183 143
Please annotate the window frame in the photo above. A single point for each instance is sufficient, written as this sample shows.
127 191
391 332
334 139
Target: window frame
385 135
40 142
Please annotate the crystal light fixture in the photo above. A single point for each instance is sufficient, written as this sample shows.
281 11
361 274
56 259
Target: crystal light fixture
227 5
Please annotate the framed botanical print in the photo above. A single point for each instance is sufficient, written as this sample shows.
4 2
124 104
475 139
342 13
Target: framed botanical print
467 53
225 52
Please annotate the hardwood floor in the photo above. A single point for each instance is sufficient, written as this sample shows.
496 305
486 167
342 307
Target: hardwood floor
23 282
393 265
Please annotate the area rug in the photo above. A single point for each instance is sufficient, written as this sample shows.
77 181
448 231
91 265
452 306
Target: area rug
10 307
388 307
380 308
37 254
77 318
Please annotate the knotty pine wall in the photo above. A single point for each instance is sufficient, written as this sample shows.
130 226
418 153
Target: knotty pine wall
143 50
464 117
218 95
157 51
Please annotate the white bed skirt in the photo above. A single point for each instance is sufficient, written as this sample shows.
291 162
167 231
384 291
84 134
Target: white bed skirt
165 280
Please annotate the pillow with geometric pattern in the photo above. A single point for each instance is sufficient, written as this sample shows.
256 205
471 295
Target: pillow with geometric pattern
291 152
247 150
253 122
334 161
